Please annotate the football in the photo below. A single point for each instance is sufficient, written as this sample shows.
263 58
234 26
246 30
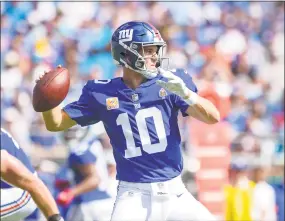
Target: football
51 89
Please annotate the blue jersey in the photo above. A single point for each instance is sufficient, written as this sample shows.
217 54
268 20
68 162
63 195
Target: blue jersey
90 152
141 123
12 147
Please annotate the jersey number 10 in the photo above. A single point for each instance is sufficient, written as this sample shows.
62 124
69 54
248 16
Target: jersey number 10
147 146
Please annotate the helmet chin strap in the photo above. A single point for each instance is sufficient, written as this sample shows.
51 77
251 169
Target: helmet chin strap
147 74
157 64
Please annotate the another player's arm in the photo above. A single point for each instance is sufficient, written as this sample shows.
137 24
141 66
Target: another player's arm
90 181
15 173
57 119
203 109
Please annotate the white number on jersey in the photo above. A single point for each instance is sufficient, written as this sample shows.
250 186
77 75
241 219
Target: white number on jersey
147 146
101 81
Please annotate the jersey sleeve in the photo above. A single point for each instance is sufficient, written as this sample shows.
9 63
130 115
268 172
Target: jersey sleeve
12 147
178 101
84 111
82 158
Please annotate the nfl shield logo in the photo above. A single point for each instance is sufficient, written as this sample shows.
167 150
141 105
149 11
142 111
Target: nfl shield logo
112 103
162 93
135 97
137 106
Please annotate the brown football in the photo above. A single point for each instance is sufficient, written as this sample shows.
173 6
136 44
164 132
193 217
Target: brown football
51 89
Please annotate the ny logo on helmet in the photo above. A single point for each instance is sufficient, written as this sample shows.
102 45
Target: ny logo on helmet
126 35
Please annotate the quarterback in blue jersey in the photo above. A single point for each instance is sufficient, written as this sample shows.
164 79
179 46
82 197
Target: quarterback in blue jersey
21 189
139 112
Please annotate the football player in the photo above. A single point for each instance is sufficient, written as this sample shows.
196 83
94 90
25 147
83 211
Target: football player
89 197
139 112
21 189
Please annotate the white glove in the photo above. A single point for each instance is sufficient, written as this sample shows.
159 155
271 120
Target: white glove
177 86
174 84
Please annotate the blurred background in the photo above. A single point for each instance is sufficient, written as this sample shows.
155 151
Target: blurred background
233 50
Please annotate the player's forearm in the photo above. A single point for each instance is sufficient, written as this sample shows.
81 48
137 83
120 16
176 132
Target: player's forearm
57 120
53 118
203 110
43 198
88 184
15 173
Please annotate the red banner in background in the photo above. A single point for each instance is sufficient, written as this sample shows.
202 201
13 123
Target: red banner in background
210 146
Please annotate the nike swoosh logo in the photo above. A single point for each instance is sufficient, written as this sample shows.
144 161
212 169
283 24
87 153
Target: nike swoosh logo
179 195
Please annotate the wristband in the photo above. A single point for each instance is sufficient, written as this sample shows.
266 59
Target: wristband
55 217
192 98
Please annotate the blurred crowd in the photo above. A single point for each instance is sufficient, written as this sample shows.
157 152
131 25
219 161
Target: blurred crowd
234 50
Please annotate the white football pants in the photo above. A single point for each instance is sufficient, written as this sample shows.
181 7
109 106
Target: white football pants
97 210
16 204
163 201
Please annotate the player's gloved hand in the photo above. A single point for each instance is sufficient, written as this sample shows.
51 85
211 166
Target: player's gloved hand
174 84
55 217
65 197
177 86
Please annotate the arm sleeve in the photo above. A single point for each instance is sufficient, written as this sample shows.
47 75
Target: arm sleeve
84 111
82 159
178 101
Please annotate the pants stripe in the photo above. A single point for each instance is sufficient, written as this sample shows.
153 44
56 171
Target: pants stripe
18 204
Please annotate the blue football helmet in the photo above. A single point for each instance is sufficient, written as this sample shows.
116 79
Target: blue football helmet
129 39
